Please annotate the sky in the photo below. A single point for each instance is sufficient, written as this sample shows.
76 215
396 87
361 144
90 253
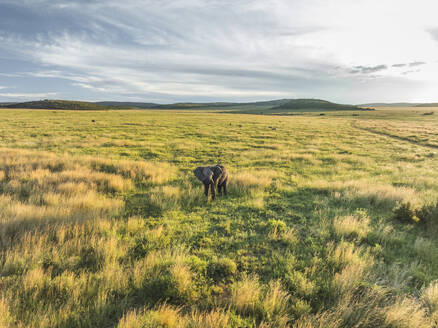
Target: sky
168 51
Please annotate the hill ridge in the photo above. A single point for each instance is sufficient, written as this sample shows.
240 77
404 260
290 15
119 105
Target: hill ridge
270 105
57 104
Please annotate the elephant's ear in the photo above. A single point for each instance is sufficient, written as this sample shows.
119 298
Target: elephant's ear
203 173
199 174
208 173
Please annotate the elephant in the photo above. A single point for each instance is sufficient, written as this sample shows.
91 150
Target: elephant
213 177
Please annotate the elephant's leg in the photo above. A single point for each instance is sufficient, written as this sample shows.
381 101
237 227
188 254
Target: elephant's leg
219 189
213 191
206 189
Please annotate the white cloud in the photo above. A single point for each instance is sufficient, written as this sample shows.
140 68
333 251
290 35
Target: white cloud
10 75
28 95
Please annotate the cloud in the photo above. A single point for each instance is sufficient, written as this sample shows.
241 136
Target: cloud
434 33
28 95
10 75
368 69
411 64
411 72
417 63
91 87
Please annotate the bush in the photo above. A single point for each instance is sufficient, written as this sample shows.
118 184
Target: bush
276 225
428 214
405 213
425 216
90 260
222 269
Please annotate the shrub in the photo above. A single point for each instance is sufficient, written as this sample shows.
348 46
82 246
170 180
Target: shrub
276 225
222 269
196 264
299 284
428 214
425 216
301 308
405 213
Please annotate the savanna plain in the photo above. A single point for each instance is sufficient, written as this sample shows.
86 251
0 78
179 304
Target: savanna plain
330 220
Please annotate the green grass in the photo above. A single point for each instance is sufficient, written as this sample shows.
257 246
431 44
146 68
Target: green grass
103 223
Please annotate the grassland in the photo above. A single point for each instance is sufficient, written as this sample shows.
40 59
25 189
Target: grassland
102 224
423 132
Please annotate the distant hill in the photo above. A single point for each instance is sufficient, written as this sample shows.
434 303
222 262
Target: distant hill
313 104
269 103
401 104
279 105
427 105
125 104
268 107
223 105
6 103
57 104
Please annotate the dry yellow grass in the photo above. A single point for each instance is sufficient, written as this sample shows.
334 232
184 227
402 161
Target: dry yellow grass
424 133
321 320
156 173
53 211
374 192
39 187
349 225
430 297
214 319
246 295
347 253
164 316
131 319
259 178
245 182
406 313
6 319
183 278
288 235
276 305
349 278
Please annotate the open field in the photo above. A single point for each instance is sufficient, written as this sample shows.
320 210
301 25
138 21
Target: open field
423 132
102 224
